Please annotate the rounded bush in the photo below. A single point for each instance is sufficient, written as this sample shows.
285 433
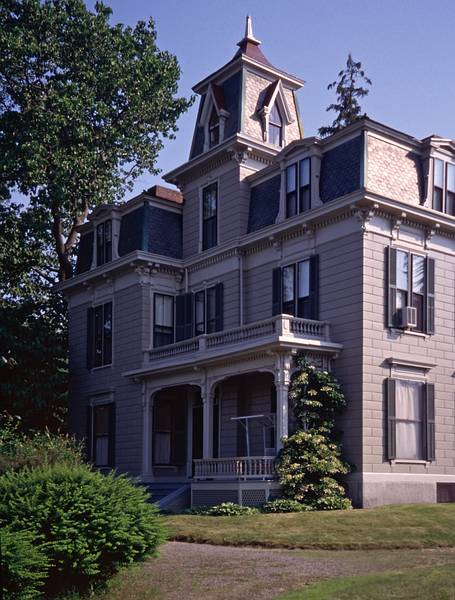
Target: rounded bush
23 565
89 524
284 505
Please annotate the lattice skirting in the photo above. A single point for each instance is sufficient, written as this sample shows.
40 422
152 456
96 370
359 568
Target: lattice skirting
255 493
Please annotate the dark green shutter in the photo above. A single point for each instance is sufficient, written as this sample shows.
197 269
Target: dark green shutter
183 317
430 285
219 306
112 426
392 287
430 438
277 292
391 420
90 336
314 286
89 434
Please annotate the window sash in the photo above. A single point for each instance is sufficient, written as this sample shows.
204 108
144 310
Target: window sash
104 243
211 309
409 420
209 216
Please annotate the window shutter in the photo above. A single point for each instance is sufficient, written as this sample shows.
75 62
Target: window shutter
219 299
277 292
90 335
391 420
430 422
314 286
112 424
430 285
392 287
89 434
183 317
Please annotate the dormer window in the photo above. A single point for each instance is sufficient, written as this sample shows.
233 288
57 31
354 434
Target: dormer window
104 243
444 187
214 129
275 133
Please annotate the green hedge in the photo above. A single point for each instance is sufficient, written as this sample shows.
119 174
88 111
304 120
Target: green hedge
89 524
23 565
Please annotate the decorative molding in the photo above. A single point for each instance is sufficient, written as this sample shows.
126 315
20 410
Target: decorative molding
409 363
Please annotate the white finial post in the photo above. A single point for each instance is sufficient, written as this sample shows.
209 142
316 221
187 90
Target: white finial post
249 27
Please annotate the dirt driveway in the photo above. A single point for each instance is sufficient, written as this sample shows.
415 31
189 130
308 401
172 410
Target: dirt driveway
204 572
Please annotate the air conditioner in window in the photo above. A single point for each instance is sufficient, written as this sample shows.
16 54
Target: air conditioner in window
408 317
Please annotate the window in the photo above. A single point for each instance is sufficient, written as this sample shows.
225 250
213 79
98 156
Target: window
99 336
410 420
207 310
275 127
295 289
301 201
103 243
163 330
291 191
209 216
411 283
450 198
101 434
214 129
443 186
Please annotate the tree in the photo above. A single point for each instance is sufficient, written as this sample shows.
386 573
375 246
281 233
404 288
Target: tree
33 338
348 90
309 465
84 108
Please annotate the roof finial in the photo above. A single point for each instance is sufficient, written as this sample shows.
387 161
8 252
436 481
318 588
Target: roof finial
249 36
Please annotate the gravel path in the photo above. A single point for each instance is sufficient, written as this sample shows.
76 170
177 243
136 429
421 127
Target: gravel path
199 571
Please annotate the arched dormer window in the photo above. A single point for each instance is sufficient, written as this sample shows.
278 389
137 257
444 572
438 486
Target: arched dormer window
275 133
214 128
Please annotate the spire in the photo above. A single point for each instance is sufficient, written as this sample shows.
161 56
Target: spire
249 45
249 36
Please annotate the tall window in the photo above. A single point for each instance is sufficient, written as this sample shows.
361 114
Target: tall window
411 282
214 128
208 310
101 423
298 187
163 330
275 127
295 289
291 191
209 216
450 198
99 335
410 419
104 243
444 186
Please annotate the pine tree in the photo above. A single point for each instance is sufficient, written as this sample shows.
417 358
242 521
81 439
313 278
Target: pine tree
349 90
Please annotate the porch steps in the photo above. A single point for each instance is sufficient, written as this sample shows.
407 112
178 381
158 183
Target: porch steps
170 497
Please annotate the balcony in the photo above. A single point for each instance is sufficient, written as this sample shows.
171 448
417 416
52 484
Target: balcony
279 332
240 468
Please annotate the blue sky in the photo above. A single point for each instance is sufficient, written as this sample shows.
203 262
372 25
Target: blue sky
406 48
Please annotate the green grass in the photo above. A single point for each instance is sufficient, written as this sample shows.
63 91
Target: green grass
404 526
435 583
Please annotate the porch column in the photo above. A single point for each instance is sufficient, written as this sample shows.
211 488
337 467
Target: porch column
147 416
207 407
282 380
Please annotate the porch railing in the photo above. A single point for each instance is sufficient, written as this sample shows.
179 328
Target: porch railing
282 326
253 467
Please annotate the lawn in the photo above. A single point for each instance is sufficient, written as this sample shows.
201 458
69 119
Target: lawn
437 583
404 526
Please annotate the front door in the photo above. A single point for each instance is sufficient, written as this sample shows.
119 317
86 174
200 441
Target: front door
169 429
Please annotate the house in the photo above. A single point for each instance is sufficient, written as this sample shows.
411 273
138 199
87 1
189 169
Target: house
188 308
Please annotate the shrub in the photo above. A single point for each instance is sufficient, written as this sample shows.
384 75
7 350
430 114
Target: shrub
23 565
18 450
89 524
308 466
284 505
226 509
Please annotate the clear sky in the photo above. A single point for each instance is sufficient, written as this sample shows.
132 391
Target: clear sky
406 47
